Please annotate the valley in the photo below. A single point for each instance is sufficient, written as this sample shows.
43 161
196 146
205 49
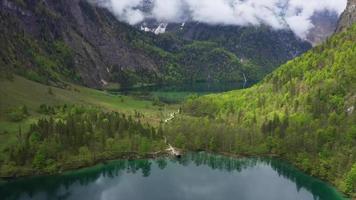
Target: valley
91 102
21 92
177 93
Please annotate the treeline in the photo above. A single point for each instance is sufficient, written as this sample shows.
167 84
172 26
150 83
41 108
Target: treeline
15 189
72 137
304 112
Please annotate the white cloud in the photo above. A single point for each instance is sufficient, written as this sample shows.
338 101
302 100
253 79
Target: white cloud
125 10
299 12
168 10
279 14
211 11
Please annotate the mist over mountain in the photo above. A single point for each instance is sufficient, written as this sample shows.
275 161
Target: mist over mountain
296 15
325 24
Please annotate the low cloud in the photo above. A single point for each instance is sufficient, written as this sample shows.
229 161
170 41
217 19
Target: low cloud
279 14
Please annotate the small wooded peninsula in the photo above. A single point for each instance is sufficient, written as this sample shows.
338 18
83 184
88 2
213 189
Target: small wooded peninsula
117 100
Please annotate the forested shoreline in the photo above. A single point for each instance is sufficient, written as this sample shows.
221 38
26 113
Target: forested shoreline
303 112
72 137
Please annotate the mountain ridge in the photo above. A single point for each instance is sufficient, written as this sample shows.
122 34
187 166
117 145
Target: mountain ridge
76 41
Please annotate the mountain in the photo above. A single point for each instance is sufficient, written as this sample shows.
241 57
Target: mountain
261 45
54 42
348 17
303 112
325 24
97 44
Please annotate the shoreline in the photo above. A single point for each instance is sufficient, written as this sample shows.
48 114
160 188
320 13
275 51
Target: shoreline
156 155
28 173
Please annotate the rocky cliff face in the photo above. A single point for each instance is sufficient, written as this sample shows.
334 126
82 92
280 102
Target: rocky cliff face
348 17
99 42
325 23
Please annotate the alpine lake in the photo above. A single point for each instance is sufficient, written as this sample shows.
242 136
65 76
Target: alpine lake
194 176
173 94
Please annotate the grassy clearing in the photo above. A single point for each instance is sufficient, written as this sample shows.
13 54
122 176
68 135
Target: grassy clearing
175 96
20 92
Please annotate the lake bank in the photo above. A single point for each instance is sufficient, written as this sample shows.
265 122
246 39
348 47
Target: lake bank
162 178
131 156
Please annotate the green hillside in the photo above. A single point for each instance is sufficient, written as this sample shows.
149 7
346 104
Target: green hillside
20 92
303 112
26 104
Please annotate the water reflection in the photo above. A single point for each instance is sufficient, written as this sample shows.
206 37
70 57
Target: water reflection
178 93
195 176
197 87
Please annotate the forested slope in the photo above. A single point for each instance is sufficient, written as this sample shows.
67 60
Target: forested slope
266 47
304 112
70 137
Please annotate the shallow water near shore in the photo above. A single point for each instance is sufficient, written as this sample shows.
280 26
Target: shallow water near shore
195 176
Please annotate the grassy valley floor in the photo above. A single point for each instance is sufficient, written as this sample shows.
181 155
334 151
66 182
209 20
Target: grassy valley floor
23 92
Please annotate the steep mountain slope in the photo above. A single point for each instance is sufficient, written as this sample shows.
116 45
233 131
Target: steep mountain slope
303 112
348 17
263 46
51 41
325 24
94 37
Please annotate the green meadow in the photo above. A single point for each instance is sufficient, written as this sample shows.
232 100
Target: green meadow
21 92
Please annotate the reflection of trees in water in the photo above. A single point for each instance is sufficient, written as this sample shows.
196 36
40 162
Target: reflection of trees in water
161 163
217 162
51 185
319 189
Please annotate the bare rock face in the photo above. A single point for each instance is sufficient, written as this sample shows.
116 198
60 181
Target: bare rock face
325 23
100 43
348 17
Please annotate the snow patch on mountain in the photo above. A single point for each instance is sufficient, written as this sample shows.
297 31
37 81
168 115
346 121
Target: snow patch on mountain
160 29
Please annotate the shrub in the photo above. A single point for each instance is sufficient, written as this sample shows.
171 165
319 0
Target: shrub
46 110
18 114
350 180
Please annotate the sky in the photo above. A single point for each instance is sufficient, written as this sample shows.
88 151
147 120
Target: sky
279 14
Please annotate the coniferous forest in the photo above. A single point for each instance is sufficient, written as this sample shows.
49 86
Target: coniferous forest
71 137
